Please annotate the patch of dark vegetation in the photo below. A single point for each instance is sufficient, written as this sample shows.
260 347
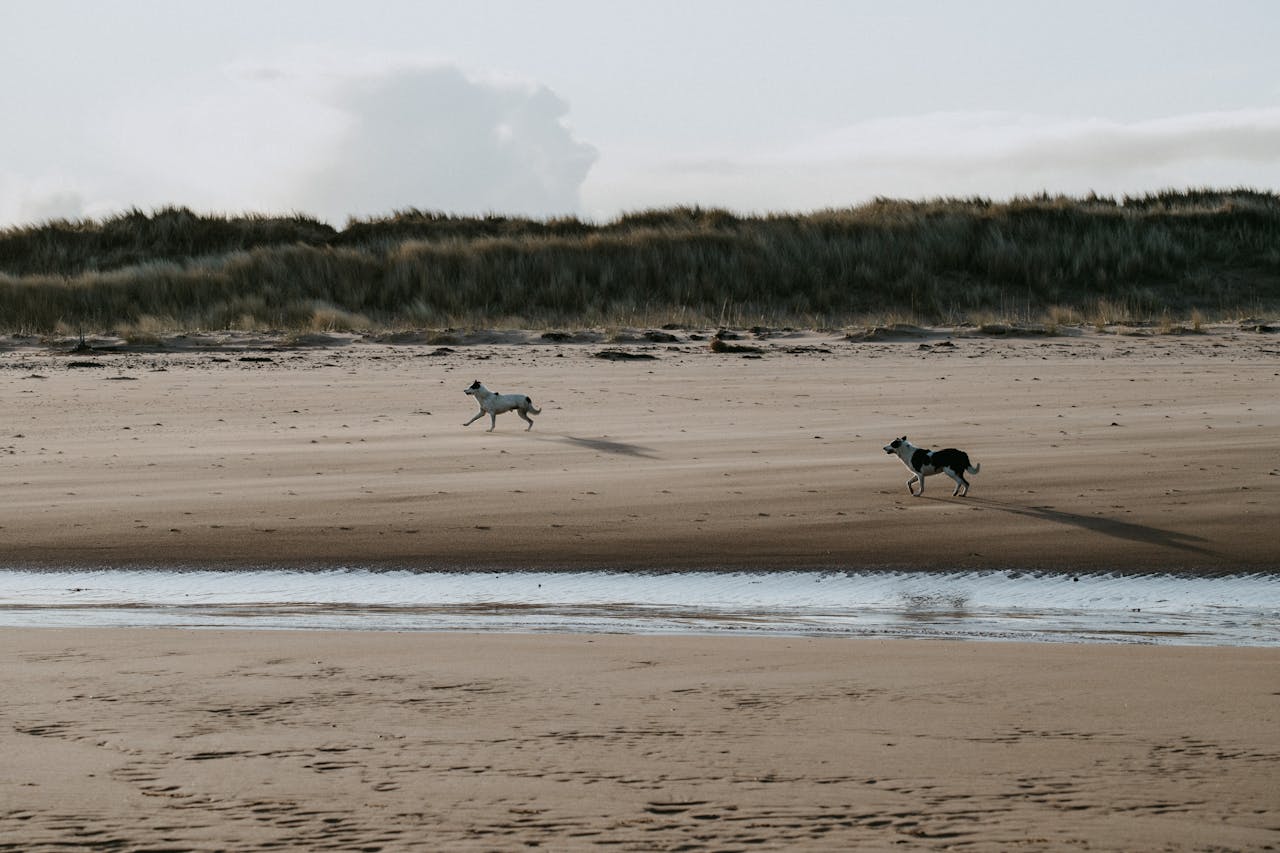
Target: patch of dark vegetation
624 355
947 261
661 337
1015 331
895 332
719 345
1255 326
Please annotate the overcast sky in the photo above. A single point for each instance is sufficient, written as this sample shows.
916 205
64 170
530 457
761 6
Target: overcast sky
594 108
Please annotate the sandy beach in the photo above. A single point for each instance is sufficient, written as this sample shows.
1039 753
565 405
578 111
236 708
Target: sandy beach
1100 452
211 740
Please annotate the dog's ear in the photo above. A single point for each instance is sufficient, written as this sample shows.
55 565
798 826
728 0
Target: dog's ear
904 438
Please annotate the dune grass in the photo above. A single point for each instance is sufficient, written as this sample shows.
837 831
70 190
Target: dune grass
1162 258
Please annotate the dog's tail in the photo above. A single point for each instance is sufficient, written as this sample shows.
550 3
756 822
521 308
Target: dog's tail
529 405
973 469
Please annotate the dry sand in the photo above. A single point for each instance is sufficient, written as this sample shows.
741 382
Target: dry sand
1098 451
160 739
1106 452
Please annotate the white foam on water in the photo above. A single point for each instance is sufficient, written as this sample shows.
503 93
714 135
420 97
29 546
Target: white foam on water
1236 610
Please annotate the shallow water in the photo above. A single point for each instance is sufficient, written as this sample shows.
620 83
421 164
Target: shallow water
1238 610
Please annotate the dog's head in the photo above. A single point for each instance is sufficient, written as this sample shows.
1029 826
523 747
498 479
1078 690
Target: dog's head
893 446
474 387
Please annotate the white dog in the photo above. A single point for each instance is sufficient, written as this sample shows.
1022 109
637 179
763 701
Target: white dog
495 404
925 463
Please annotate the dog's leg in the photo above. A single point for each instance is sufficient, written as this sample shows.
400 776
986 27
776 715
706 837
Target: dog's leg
479 415
493 421
915 478
960 481
527 419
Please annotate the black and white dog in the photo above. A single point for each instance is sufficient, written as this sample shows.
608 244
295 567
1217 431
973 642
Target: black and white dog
925 463
492 404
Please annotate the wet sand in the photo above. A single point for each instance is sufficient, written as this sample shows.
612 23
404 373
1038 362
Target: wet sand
148 739
1218 611
1098 452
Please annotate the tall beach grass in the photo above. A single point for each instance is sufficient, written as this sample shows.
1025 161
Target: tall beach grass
1047 258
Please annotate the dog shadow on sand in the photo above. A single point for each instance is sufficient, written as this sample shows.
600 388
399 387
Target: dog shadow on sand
1099 524
602 445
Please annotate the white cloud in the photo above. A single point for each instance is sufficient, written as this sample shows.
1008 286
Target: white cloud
326 135
435 138
49 197
994 154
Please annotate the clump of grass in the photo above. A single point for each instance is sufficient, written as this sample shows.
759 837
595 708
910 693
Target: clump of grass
326 318
1063 315
148 330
